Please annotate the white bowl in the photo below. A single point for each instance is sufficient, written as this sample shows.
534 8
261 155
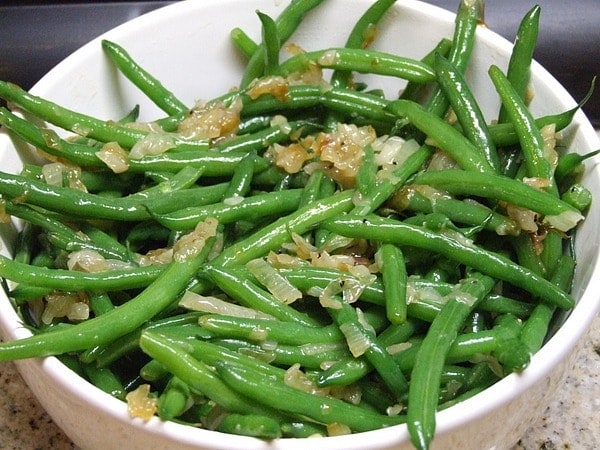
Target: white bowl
186 45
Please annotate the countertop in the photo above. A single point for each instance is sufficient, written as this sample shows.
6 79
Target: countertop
571 421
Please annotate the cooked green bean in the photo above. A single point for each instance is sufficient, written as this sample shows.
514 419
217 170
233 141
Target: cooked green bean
361 35
519 64
286 23
115 323
445 136
467 110
361 61
147 83
279 396
394 276
468 17
82 124
425 376
490 263
532 143
362 340
498 187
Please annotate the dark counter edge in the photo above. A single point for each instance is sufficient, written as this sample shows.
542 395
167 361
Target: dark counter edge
34 37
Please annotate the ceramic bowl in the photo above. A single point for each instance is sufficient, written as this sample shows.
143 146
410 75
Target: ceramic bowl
186 45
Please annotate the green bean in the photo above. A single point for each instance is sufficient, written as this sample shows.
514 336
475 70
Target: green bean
286 24
311 356
362 61
496 303
250 425
578 196
109 244
69 280
147 83
467 211
105 379
345 101
535 328
393 270
423 391
243 42
174 399
197 375
69 201
48 140
399 176
253 296
196 196
504 134
26 241
512 354
287 333
113 324
490 263
467 110
527 255
570 165
519 64
183 179
270 43
273 235
361 35
445 136
246 208
214 163
302 429
362 340
91 127
100 303
241 180
502 188
293 401
367 173
107 354
465 347
414 91
154 371
530 138
468 17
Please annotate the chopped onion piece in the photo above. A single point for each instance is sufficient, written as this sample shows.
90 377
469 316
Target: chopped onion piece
92 261
397 348
140 404
64 304
363 321
234 200
192 243
113 155
275 283
210 304
151 145
53 173
565 220
338 429
294 377
357 341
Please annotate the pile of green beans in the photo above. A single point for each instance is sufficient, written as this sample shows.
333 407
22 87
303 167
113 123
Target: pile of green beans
408 287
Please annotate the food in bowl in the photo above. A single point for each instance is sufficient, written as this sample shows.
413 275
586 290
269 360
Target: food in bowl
304 255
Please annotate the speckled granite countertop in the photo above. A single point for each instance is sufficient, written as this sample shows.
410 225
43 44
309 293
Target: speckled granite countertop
571 422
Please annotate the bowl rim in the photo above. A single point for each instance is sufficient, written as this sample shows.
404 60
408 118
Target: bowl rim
549 356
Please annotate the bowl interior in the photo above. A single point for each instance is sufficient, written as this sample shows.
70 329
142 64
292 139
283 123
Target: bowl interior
187 47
